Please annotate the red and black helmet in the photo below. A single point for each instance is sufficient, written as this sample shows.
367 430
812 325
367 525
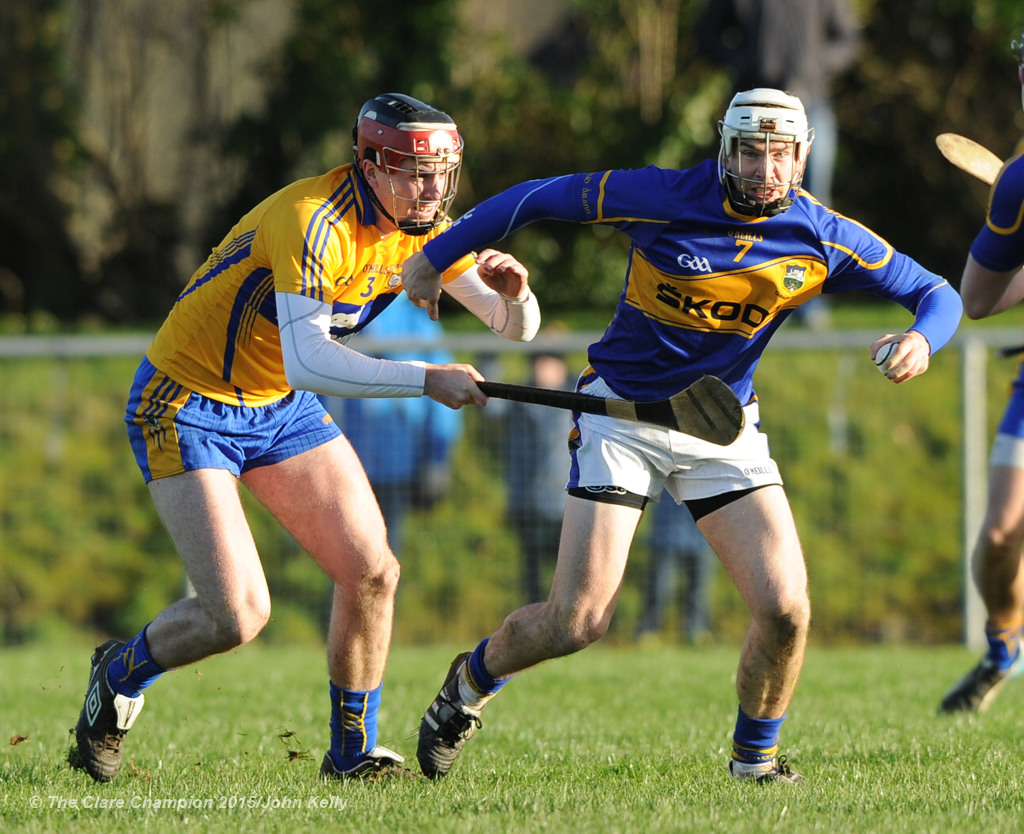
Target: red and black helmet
394 128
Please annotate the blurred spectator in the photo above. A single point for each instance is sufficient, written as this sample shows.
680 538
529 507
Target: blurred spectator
800 46
536 457
405 443
675 542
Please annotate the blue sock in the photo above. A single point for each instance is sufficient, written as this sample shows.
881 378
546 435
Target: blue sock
1003 643
133 669
353 725
755 740
477 675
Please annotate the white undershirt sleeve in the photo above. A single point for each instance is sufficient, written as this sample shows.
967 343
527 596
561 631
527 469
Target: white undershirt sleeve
313 361
517 320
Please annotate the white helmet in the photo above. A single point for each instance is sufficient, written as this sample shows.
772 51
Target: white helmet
769 116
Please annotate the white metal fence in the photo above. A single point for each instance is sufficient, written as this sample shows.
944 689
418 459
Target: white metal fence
975 389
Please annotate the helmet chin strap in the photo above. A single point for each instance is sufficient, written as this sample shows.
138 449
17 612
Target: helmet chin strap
411 227
750 207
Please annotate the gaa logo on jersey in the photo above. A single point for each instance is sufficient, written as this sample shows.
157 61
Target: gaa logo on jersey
794 277
694 263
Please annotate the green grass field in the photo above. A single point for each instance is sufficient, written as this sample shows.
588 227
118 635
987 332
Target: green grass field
610 740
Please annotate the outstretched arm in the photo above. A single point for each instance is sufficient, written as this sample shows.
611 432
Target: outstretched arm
313 361
492 220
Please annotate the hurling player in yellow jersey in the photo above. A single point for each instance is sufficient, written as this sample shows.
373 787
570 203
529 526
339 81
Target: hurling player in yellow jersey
721 254
225 394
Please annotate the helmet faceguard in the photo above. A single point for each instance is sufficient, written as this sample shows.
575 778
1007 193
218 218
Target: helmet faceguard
756 122
404 137
1017 48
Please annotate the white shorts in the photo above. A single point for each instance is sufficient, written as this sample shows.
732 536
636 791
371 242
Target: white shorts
644 459
1008 446
1007 450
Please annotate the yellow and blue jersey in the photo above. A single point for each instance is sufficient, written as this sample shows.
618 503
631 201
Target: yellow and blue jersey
314 237
705 287
999 245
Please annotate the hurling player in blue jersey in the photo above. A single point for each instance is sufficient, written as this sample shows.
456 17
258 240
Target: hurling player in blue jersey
993 281
721 254
225 395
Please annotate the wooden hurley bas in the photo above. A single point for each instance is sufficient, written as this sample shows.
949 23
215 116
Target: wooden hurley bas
969 156
708 409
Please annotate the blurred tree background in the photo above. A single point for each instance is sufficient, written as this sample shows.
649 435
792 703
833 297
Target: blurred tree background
132 135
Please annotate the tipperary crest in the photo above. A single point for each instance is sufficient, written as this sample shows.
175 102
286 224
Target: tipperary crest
794 278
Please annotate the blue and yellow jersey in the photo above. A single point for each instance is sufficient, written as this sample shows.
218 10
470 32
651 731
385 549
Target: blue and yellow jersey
705 287
999 246
314 237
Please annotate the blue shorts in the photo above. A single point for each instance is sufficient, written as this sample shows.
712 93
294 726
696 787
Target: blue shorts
174 430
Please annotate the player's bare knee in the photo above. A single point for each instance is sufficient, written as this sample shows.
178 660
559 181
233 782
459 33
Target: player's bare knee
258 617
232 632
377 583
578 639
237 626
385 582
1001 543
572 631
790 623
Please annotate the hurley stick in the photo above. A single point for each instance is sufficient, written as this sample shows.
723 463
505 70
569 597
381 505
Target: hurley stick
708 409
969 156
